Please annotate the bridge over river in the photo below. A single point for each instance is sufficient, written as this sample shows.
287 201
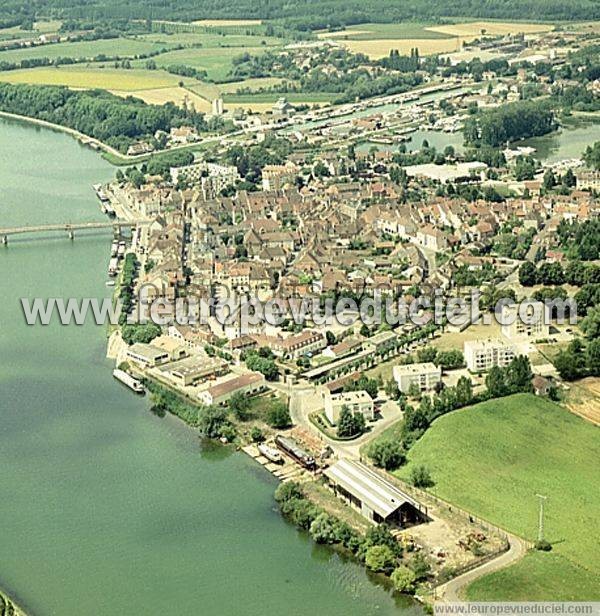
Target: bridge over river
68 228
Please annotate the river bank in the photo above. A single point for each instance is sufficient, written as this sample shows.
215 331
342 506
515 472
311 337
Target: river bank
105 494
8 606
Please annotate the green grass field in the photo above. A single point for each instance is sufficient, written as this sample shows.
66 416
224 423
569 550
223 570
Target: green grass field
493 458
368 32
216 61
84 49
295 97
532 577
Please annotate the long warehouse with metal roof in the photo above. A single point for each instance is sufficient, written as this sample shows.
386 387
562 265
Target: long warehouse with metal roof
376 499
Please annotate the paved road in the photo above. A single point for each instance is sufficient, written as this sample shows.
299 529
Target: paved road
451 591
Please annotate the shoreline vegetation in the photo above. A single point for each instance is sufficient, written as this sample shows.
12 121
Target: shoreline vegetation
113 156
9 607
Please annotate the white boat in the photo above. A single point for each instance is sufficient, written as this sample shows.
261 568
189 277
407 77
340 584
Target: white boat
110 283
128 380
270 453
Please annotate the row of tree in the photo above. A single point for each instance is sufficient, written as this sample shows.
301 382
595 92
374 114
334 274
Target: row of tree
114 120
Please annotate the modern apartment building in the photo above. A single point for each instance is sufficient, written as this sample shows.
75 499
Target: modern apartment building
481 355
425 376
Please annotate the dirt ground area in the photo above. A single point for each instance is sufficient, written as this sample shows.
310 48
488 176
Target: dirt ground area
583 399
450 540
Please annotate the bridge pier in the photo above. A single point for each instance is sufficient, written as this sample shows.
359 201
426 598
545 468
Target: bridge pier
71 234
5 240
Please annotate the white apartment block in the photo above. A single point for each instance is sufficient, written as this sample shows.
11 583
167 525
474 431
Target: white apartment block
425 376
355 401
528 320
481 355
212 177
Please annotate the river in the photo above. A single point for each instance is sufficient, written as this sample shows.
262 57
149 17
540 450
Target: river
105 508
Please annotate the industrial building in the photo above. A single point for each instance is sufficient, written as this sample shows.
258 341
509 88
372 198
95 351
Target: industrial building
372 495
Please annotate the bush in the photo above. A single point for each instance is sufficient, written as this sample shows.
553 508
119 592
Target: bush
324 529
387 454
212 421
380 558
543 545
279 416
403 579
256 434
420 477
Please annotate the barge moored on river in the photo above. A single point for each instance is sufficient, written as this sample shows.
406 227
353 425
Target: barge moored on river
129 381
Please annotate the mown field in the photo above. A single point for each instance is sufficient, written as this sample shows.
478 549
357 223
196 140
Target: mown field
530 578
79 76
216 61
493 458
368 32
377 40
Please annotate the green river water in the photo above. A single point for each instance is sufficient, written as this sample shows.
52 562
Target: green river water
106 509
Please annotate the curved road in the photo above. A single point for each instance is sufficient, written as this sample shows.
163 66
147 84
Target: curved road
450 591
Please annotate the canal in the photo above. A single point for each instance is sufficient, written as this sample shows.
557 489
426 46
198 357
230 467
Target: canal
105 508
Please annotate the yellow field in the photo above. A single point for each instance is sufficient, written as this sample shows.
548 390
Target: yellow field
160 96
474 29
107 78
381 48
228 22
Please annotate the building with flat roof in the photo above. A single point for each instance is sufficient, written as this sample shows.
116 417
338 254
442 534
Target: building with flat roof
380 342
194 370
356 401
373 496
481 355
527 320
147 355
247 384
425 376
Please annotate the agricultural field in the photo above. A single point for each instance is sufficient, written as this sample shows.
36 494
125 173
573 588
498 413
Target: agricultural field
79 76
493 458
211 23
380 48
477 28
173 94
295 97
377 40
214 90
368 32
216 61
39 27
583 399
128 47
529 578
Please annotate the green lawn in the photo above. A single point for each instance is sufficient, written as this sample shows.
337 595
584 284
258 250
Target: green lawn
493 458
